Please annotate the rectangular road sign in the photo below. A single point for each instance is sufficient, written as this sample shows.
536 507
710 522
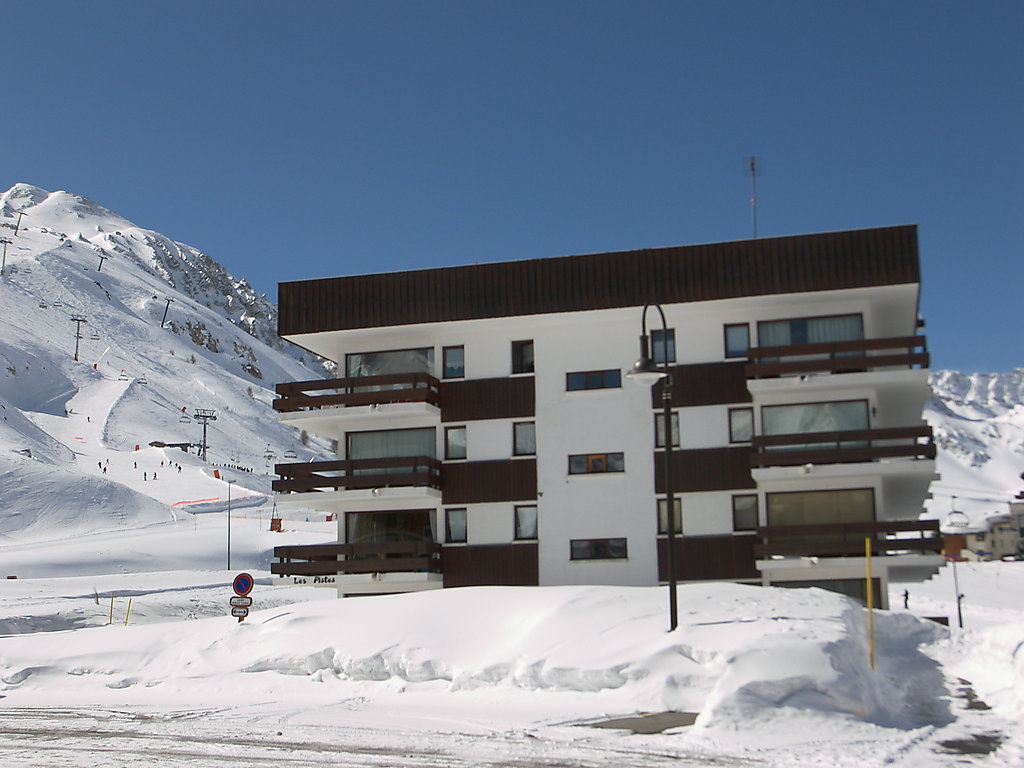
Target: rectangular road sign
240 612
242 601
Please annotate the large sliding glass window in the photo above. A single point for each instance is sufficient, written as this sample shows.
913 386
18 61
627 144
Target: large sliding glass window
808 418
821 507
394 361
810 330
391 443
392 525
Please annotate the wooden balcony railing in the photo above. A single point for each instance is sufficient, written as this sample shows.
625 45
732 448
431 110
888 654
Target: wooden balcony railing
842 447
894 537
361 390
350 474
837 357
382 557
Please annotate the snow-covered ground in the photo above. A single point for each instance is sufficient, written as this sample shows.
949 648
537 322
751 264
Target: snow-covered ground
116 647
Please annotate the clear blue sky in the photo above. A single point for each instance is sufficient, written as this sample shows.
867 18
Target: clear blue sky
294 140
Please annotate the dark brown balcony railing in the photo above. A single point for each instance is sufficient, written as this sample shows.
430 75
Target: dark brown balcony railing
350 474
837 357
361 390
377 557
894 537
842 447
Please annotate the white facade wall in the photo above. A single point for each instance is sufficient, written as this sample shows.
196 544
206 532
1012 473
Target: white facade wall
621 419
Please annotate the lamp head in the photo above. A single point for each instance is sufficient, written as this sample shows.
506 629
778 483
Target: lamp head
645 371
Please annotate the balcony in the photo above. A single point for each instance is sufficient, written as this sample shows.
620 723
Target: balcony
358 474
888 538
304 396
837 357
394 557
849 446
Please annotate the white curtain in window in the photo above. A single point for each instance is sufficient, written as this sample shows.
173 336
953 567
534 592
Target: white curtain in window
391 443
841 328
814 417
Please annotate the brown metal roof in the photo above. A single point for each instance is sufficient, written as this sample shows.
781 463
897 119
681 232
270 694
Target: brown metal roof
793 264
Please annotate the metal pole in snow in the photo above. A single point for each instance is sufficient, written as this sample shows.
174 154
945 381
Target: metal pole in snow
871 599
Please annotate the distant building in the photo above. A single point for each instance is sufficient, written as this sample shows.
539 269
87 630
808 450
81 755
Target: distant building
487 435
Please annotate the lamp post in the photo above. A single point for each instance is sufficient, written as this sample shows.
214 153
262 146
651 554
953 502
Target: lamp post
956 523
645 371
230 483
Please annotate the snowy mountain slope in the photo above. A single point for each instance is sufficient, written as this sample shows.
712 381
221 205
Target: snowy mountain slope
978 420
71 427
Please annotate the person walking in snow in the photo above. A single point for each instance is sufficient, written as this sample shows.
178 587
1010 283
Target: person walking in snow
145 476
154 474
104 470
99 464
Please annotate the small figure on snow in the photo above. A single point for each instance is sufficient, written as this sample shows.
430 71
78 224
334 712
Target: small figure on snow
145 476
906 598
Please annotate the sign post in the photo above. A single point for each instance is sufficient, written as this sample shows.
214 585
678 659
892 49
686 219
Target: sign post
242 585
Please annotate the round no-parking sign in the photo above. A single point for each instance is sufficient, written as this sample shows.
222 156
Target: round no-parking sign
242 584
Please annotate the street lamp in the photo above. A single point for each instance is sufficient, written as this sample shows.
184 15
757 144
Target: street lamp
956 523
646 372
230 483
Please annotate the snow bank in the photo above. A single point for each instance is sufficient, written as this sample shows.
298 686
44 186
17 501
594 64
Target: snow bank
741 655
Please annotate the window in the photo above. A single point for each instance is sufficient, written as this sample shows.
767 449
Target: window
597 549
390 444
593 380
737 340
393 525
454 360
804 418
455 526
455 442
526 522
584 463
659 430
744 513
821 507
810 330
741 425
524 439
522 356
395 361
659 339
663 515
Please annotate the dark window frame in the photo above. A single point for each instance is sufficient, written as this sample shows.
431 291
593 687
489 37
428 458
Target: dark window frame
581 381
517 535
597 463
753 431
730 355
432 357
515 441
662 507
859 315
519 363
444 362
757 512
448 528
659 440
447 444
657 346
598 549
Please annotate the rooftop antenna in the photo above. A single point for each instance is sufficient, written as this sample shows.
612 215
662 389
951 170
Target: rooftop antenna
204 415
753 170
78 320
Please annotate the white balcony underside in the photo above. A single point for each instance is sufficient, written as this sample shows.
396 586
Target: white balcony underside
364 499
376 583
766 477
916 567
818 384
334 419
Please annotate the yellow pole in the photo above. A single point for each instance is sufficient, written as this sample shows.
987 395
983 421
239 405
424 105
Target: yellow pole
111 619
128 612
871 600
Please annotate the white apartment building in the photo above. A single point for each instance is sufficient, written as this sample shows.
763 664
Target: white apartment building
487 433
